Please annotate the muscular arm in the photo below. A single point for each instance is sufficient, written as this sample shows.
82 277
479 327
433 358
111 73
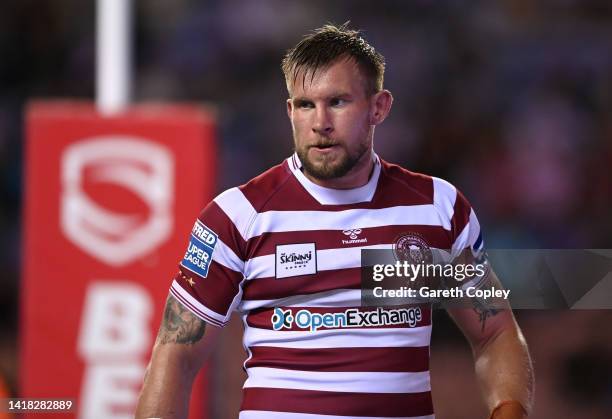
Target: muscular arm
183 343
502 362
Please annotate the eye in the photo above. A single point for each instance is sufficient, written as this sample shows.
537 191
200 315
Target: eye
337 102
304 104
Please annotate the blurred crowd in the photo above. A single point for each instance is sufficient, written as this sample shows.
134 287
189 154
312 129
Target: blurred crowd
510 100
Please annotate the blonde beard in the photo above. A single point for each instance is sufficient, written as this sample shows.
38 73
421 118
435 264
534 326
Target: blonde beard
327 170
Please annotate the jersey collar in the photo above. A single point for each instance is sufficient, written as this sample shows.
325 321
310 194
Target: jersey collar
330 196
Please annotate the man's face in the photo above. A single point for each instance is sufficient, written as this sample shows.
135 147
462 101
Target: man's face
330 118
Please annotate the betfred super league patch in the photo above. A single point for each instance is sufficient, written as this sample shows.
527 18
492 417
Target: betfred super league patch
200 250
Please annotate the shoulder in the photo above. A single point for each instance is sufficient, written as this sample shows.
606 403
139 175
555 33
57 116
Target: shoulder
407 181
451 206
436 190
448 201
257 191
242 203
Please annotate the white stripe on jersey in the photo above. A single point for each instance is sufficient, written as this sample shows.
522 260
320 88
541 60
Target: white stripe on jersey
474 229
327 196
468 235
236 301
333 298
327 259
198 308
237 208
444 197
339 338
225 256
264 414
353 382
282 221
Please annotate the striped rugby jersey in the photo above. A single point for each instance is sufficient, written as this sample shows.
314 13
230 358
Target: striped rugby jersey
285 254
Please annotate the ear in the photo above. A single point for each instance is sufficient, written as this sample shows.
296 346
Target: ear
380 106
289 108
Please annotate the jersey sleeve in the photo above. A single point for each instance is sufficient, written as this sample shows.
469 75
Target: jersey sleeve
465 228
209 280
467 245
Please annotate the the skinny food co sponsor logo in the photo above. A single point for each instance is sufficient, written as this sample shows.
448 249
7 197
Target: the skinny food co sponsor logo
308 320
296 259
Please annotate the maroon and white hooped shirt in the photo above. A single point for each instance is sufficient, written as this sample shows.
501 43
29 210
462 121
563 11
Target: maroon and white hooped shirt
285 254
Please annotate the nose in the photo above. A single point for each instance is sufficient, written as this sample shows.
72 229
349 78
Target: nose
322 124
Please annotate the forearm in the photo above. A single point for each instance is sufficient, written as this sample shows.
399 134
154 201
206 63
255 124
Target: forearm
504 370
502 362
166 390
183 343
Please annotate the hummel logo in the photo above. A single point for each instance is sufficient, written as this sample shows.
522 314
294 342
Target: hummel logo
353 233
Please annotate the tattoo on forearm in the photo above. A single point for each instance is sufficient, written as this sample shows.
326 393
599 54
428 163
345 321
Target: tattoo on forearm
481 307
179 325
483 311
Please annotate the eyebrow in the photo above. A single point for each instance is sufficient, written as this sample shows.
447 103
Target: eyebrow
332 96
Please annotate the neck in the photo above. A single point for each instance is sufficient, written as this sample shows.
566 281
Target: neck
358 176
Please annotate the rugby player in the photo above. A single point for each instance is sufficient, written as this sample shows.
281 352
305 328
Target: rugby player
283 250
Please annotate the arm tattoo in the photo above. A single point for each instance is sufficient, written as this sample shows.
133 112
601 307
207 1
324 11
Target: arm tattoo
483 309
180 325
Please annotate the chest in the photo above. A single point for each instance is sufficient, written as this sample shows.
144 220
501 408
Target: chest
287 245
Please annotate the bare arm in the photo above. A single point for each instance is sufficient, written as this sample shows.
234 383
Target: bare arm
183 343
503 366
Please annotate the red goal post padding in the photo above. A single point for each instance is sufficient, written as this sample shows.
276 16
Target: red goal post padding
108 206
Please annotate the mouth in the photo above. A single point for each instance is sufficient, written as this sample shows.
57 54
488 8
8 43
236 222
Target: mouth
323 146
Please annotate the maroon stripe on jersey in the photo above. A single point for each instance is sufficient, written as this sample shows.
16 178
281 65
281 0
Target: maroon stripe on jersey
262 318
276 185
201 313
217 291
265 244
217 220
461 215
401 185
341 359
291 195
272 288
338 403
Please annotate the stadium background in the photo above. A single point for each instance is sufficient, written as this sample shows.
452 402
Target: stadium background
509 100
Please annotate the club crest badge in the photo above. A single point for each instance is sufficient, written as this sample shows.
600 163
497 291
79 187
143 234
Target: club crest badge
412 248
